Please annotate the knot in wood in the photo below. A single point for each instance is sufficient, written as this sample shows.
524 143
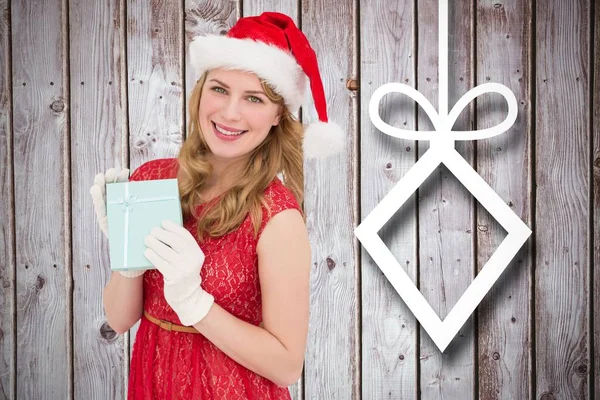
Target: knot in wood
330 264
352 84
40 282
57 105
140 143
582 368
107 332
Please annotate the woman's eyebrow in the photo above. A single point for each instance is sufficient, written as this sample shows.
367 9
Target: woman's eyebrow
247 91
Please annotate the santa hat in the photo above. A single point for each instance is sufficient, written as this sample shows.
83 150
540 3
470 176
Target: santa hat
272 47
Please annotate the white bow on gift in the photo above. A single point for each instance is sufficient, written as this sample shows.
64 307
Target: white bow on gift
442 151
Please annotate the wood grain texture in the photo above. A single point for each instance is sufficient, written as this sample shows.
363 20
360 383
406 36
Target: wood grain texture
332 365
595 182
7 222
97 120
504 56
155 83
389 329
562 287
41 199
257 7
445 207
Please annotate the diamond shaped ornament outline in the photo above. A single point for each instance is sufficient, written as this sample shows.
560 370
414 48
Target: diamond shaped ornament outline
442 151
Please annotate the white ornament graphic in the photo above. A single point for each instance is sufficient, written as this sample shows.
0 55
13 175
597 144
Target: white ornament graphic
442 151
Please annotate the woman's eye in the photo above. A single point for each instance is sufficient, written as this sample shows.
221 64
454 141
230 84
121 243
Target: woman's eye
253 99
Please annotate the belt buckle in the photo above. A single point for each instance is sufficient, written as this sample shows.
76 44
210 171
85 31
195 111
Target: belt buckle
168 324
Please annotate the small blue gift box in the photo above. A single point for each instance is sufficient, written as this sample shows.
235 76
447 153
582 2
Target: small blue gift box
133 209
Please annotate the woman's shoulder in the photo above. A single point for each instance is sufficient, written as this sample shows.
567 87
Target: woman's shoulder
278 197
161 168
277 193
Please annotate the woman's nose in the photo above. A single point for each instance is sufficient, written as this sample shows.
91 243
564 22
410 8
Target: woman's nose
230 110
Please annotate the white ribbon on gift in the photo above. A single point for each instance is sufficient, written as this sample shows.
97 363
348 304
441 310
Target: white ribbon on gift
127 203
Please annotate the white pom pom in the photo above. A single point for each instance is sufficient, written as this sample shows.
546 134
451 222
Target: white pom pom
323 139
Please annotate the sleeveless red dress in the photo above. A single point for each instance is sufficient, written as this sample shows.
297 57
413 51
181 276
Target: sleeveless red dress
178 365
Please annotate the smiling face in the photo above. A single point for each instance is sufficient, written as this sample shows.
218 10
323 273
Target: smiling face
235 115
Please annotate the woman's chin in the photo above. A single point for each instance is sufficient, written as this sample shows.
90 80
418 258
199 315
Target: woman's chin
223 155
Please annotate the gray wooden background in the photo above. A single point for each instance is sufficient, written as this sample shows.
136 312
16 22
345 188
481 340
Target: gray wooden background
88 85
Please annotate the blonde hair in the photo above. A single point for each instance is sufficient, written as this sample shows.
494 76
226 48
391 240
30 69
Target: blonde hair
280 152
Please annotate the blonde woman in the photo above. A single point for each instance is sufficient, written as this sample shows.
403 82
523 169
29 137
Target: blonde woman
225 313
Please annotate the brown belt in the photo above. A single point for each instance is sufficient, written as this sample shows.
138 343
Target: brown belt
169 326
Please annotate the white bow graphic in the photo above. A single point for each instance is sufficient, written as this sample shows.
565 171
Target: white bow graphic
443 123
442 151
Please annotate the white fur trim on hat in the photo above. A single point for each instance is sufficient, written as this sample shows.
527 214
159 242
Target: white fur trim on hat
278 67
323 139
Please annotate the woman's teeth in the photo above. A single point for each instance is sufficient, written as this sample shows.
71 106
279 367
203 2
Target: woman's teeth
226 132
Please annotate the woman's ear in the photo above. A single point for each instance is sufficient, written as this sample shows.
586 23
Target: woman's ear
277 119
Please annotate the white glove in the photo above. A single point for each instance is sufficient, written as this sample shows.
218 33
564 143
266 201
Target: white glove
176 254
98 192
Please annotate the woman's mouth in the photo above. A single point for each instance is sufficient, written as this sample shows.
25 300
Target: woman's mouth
225 134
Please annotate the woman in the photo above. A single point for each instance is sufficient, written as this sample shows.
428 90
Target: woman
225 312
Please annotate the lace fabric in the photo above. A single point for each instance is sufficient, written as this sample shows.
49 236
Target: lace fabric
179 365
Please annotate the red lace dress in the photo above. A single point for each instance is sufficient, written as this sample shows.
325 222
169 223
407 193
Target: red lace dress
179 365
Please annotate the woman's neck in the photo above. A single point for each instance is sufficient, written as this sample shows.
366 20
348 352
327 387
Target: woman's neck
222 178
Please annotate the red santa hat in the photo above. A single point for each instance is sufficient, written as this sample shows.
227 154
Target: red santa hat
272 47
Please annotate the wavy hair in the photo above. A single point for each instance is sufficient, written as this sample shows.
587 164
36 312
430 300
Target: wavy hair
280 152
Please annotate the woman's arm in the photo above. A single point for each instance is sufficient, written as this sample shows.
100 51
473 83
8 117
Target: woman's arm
277 350
123 300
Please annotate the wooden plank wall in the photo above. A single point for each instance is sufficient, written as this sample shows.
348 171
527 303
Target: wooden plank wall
42 203
503 54
98 113
562 287
594 246
7 222
389 331
85 86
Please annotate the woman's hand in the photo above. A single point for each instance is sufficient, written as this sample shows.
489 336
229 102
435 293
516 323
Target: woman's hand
175 253
98 192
